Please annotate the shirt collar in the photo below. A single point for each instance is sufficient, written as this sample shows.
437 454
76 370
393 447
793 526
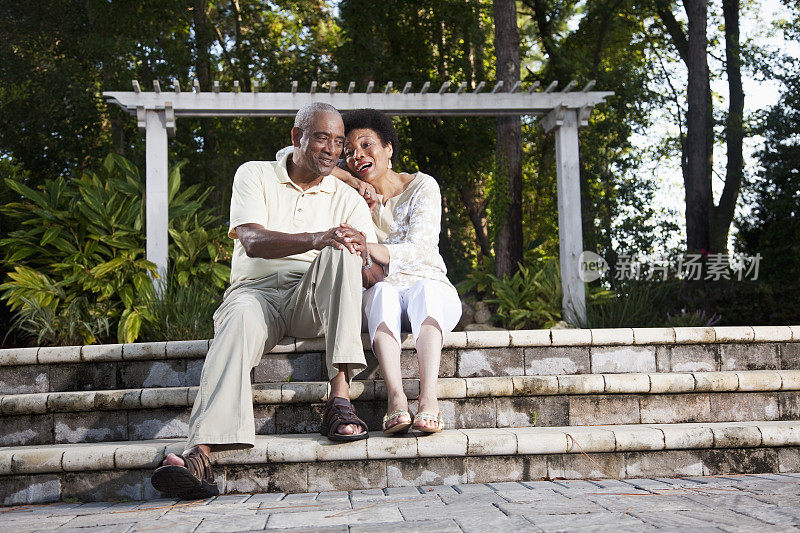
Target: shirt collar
328 183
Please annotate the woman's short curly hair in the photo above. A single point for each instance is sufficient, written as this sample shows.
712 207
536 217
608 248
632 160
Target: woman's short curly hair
376 121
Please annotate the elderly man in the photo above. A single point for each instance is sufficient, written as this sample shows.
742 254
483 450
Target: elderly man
295 271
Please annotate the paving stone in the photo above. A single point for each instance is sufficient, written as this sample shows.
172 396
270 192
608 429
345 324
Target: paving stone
325 518
742 461
18 356
736 436
653 336
21 490
772 333
726 334
790 379
637 438
328 475
694 335
780 434
474 523
24 404
789 459
545 361
790 354
23 379
716 381
426 472
282 366
97 486
571 337
598 521
148 374
671 382
144 350
531 385
477 412
418 526
542 411
675 408
90 427
608 359
743 406
264 418
752 356
396 447
101 352
186 349
789 405
491 362
26 430
84 377
530 337
605 409
596 465
298 418
664 463
158 424
694 358
114 400
671 520
627 383
555 507
612 336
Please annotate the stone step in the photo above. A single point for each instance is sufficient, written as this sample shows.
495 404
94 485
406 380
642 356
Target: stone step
466 354
310 463
503 401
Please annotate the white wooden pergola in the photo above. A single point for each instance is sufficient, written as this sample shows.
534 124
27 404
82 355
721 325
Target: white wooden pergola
562 111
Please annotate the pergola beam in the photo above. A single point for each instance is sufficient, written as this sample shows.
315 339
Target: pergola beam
229 104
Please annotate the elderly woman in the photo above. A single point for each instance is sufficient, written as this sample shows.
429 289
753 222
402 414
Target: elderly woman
415 292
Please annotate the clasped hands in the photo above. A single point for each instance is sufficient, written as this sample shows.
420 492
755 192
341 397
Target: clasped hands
344 237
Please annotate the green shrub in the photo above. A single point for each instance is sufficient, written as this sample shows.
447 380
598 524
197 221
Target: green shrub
532 297
84 239
632 304
182 313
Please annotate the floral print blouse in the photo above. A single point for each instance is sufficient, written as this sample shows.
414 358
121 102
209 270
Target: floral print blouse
408 225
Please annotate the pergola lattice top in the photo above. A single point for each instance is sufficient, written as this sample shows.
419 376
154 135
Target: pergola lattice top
564 111
443 102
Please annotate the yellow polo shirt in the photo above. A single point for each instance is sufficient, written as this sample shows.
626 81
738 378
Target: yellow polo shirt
264 194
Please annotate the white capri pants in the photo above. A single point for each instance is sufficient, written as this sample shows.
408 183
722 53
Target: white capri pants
404 308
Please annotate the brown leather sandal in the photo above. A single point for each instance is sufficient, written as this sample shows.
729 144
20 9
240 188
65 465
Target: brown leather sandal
191 482
340 412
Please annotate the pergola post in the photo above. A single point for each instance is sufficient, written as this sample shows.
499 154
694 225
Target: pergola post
156 195
570 233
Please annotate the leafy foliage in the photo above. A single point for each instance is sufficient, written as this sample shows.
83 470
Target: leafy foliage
79 250
182 312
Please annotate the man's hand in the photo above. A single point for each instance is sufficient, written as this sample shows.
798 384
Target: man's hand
356 240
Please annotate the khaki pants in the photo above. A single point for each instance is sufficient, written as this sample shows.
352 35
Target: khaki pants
253 317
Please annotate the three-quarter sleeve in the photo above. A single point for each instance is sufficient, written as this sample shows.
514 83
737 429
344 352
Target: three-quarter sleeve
420 245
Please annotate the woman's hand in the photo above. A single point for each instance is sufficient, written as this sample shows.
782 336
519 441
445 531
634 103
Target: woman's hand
367 191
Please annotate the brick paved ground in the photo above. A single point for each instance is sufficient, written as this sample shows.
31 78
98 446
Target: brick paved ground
768 502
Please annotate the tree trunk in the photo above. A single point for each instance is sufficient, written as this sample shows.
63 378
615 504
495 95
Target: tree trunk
202 36
509 138
697 178
734 131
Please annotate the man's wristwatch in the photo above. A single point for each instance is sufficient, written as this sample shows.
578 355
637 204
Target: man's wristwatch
368 264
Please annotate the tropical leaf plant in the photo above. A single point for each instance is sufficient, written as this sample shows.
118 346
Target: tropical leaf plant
84 238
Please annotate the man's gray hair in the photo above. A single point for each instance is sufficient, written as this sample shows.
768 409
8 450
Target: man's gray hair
305 114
